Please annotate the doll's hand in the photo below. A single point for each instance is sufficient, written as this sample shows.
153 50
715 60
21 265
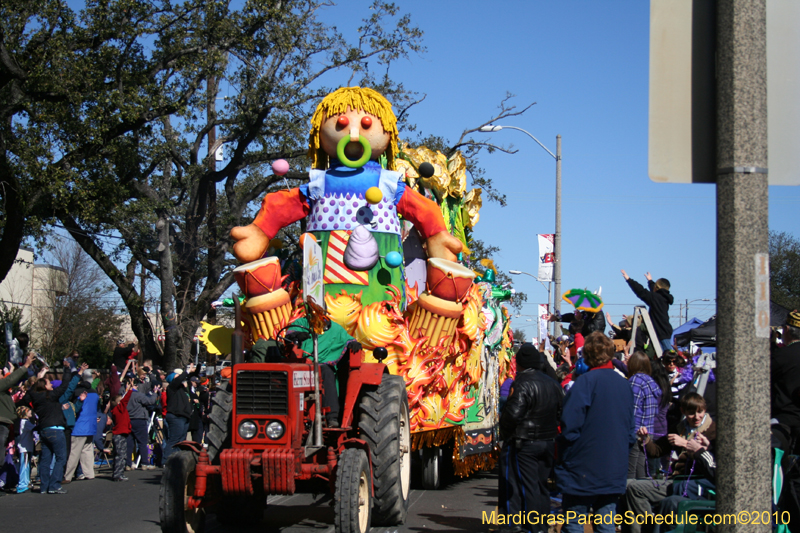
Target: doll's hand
442 245
251 243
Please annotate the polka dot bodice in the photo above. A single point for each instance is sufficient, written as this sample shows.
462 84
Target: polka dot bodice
342 210
345 212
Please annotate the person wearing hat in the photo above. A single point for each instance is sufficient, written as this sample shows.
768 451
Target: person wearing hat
528 428
785 389
597 432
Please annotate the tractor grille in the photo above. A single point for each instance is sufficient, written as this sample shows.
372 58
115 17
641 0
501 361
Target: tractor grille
262 393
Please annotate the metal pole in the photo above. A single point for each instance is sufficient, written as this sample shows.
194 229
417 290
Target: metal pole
743 452
552 325
687 310
557 236
317 394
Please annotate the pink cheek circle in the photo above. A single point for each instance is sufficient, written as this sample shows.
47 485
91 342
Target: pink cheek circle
280 167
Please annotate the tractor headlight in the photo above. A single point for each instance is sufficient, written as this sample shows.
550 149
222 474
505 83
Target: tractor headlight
247 429
275 430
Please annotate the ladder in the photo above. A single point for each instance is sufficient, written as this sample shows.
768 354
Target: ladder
640 314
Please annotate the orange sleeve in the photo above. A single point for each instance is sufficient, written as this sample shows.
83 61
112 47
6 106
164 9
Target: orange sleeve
279 209
422 212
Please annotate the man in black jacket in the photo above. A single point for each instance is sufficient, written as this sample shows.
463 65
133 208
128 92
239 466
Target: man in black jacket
658 299
528 428
179 410
590 322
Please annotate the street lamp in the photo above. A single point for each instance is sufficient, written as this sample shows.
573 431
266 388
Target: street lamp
547 288
491 128
697 300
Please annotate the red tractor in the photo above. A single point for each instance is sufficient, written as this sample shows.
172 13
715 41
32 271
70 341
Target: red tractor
266 434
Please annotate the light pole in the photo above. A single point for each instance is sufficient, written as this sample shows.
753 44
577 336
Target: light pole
491 128
547 288
687 306
535 327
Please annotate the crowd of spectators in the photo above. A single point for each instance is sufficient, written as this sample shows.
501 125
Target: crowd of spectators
630 432
62 430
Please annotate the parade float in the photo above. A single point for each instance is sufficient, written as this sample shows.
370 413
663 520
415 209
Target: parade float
394 224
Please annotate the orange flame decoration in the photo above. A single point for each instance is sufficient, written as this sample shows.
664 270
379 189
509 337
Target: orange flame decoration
344 309
438 378
412 294
473 322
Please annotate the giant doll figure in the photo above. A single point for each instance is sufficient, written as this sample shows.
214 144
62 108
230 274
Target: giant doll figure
349 191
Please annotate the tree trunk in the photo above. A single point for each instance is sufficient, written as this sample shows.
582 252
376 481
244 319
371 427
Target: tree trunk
15 213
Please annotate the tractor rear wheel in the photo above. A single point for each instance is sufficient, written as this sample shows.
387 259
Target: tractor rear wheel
431 468
352 502
219 423
384 424
177 485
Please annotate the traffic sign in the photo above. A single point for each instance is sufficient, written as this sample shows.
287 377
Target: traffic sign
682 144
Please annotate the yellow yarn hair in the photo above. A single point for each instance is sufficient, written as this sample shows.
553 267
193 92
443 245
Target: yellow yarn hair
356 98
489 264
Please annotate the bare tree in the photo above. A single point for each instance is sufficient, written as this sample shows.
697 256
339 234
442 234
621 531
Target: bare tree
75 307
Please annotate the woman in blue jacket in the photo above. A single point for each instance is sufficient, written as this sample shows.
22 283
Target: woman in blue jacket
82 446
597 432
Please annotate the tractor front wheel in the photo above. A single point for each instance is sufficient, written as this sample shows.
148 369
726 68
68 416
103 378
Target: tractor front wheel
384 424
177 485
352 500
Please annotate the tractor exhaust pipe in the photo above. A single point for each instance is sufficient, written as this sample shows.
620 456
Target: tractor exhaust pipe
237 338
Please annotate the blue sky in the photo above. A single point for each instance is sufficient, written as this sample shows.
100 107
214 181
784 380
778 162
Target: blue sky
585 64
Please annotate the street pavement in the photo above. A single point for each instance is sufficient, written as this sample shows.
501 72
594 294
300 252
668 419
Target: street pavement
102 506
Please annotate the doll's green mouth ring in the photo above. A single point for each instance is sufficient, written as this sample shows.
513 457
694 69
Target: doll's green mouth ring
359 162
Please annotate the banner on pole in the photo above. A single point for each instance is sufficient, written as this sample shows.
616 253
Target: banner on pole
546 257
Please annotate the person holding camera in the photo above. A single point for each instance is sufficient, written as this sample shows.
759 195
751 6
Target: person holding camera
8 414
179 410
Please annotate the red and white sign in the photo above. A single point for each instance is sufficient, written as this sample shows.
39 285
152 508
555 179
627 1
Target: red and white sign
546 257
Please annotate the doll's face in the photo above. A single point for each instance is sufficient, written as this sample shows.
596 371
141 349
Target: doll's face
352 125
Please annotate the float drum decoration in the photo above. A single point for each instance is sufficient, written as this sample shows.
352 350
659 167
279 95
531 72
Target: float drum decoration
349 191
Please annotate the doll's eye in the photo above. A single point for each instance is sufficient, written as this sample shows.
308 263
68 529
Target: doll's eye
343 121
366 122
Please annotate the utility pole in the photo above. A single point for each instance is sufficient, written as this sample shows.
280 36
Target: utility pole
744 457
557 236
